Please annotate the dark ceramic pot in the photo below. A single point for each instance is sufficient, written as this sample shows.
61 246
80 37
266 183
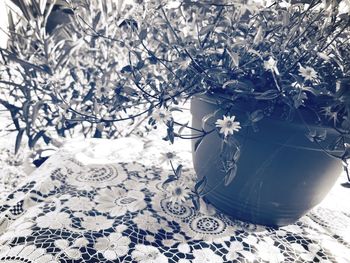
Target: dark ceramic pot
281 174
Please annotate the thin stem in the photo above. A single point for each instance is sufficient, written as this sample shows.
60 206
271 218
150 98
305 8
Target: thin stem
215 24
173 168
96 34
212 189
336 36
136 126
161 62
137 85
189 138
321 147
275 80
179 41
188 127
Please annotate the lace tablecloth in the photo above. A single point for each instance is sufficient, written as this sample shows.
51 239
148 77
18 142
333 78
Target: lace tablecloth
102 201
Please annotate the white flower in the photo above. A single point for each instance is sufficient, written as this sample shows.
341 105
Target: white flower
183 65
344 7
133 185
148 254
161 115
54 220
271 64
167 157
22 253
268 252
17 196
116 201
250 240
308 73
178 192
78 203
147 222
235 247
184 248
150 238
168 242
114 246
19 228
102 90
47 186
304 254
96 223
228 125
206 255
70 251
332 115
284 4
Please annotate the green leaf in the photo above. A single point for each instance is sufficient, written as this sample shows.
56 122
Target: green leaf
234 57
268 95
346 154
36 7
36 109
170 179
42 4
19 140
175 109
170 132
127 68
256 116
231 175
183 126
11 23
195 201
252 51
206 29
259 36
178 171
207 118
47 140
88 95
25 9
96 19
200 185
33 141
197 143
312 90
238 86
336 144
143 34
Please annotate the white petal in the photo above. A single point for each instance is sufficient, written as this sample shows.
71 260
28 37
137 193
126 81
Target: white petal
15 251
73 253
110 255
43 259
28 250
61 243
37 253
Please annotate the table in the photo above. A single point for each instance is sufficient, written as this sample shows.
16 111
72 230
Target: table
103 201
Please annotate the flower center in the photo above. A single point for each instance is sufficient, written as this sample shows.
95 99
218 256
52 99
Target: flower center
229 124
152 255
178 191
170 155
309 72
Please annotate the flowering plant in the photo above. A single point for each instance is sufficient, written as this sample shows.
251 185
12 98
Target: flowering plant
136 61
